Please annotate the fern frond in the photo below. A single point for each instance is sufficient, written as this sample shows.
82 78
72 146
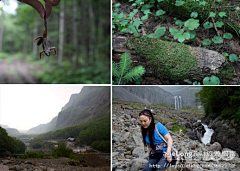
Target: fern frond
125 64
134 73
115 70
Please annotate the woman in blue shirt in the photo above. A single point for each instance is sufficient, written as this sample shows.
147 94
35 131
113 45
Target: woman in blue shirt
151 138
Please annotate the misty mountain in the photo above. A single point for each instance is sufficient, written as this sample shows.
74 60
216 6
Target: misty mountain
4 126
91 102
44 127
187 93
12 131
144 94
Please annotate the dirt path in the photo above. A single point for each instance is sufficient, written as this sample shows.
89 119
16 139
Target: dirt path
16 72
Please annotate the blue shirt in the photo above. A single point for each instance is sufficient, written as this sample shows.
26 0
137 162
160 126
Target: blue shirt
156 138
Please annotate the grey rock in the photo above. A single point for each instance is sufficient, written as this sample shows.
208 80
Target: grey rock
138 164
138 151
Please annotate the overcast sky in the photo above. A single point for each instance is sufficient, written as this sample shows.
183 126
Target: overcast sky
10 6
26 106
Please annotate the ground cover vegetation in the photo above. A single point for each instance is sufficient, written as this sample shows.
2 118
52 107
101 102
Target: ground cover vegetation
212 24
221 101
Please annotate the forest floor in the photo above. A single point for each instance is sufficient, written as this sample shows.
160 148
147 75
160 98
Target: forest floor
16 72
151 24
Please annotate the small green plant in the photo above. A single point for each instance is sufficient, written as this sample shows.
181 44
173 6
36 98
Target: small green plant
123 71
213 80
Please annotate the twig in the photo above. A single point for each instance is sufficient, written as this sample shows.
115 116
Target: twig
226 7
233 28
215 26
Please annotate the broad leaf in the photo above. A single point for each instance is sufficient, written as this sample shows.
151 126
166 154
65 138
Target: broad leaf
192 34
207 42
124 22
219 24
224 54
179 3
227 36
194 15
160 12
160 31
208 25
212 14
191 24
213 80
222 14
202 3
152 35
179 22
233 58
217 39
173 31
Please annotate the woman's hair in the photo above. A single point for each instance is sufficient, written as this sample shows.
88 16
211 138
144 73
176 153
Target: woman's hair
150 129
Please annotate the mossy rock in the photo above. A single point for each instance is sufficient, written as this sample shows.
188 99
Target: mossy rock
166 59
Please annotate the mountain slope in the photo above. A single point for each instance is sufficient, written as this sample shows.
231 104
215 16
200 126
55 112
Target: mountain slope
44 127
91 102
143 94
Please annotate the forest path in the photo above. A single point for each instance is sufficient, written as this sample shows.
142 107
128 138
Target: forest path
16 72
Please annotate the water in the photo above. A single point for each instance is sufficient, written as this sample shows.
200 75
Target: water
207 135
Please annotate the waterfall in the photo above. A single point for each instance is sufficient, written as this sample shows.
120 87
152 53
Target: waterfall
207 135
175 100
178 102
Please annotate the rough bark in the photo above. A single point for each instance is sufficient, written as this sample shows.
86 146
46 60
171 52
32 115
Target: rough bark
61 31
1 29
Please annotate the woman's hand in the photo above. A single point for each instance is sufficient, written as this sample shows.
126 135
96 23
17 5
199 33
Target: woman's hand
168 156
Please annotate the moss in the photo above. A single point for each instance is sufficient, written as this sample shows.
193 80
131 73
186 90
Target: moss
226 73
166 59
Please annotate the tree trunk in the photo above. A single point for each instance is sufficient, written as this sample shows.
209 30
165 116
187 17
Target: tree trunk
61 31
1 29
75 45
145 52
35 35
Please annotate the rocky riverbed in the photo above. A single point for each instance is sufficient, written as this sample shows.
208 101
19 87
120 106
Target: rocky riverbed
129 153
60 164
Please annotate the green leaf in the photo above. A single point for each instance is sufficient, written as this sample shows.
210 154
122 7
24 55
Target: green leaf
225 54
208 25
196 83
213 80
222 14
160 0
144 17
160 31
131 15
134 73
173 31
194 15
146 6
124 22
191 24
152 35
217 39
160 12
233 58
202 3
179 2
207 42
219 24
117 5
179 22
227 36
137 23
212 14
192 34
